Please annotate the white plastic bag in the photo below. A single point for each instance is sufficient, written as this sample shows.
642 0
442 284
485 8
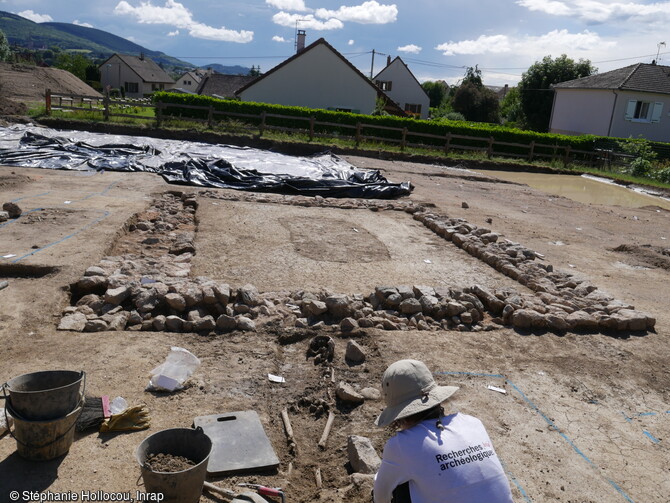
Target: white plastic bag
171 374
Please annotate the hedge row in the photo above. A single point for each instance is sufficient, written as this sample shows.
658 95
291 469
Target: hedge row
439 128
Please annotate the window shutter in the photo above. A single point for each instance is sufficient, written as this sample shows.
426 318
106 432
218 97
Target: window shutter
656 113
630 110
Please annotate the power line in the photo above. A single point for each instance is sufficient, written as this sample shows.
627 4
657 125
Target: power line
625 59
444 65
592 62
421 62
434 64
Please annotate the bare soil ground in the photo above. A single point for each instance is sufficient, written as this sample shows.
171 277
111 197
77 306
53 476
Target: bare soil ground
585 417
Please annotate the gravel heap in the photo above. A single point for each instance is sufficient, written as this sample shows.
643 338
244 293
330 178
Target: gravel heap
150 288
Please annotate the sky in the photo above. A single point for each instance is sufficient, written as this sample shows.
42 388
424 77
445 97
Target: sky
438 39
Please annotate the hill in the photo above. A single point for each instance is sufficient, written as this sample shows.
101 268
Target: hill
228 70
98 44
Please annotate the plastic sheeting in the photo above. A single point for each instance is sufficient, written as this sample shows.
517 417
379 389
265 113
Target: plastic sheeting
192 163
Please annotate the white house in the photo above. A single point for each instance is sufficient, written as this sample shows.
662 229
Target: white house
400 84
137 76
318 76
629 102
190 80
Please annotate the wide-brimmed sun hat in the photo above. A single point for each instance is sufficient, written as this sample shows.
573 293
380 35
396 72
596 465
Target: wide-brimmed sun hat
408 387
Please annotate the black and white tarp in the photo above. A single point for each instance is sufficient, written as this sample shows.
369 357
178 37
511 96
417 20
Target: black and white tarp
193 163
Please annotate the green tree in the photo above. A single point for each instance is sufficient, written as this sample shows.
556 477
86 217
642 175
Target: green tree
535 91
644 156
475 101
436 91
92 73
473 76
510 108
380 107
5 51
75 64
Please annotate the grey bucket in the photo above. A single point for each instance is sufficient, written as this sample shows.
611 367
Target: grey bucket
45 395
177 487
43 440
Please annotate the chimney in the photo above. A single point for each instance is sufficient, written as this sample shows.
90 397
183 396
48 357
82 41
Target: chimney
300 41
388 60
141 56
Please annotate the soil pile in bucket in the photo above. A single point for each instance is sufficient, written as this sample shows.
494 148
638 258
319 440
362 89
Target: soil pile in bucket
168 463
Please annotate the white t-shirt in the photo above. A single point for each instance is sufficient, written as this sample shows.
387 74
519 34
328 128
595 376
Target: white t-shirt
454 465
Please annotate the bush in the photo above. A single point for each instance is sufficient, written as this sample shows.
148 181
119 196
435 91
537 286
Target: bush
640 167
454 116
662 175
344 124
644 155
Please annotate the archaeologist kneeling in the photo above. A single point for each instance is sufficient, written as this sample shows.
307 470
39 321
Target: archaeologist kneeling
433 458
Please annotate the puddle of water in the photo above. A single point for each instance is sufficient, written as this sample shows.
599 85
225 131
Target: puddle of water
584 189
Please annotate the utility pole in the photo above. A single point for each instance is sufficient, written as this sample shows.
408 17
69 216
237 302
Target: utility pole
372 66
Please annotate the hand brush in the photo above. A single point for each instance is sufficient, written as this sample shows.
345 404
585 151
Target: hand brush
94 412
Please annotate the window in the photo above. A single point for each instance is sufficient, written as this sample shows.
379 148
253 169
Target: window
413 109
131 87
644 111
641 110
384 85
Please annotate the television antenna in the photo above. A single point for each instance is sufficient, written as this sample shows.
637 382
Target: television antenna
658 52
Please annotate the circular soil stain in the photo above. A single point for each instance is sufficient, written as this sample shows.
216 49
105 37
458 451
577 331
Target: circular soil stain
334 240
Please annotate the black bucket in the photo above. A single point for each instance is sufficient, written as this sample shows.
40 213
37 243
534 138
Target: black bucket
43 440
46 395
176 487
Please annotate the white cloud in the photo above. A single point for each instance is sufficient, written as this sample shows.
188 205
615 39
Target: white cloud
172 13
307 22
484 44
176 14
173 33
277 38
370 12
35 17
351 42
410 49
292 5
79 23
199 30
559 42
547 6
555 42
595 11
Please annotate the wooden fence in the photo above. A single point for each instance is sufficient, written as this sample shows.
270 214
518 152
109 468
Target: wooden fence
360 132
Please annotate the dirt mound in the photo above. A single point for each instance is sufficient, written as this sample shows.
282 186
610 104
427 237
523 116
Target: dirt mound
21 84
13 180
646 255
9 107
